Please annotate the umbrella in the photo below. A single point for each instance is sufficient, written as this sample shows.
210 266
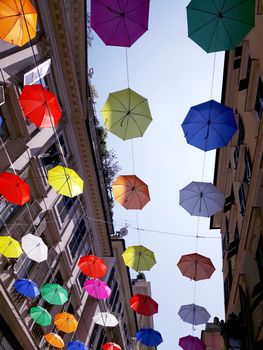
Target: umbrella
65 181
143 305
196 267
54 294
126 114
130 192
92 266
209 125
220 25
191 343
17 18
54 340
149 337
139 258
97 289
9 247
105 319
194 314
40 315
13 188
40 106
76 345
201 199
65 322
120 23
111 346
26 287
34 247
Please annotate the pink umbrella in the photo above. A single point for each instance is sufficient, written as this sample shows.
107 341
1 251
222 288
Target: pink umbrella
97 289
191 343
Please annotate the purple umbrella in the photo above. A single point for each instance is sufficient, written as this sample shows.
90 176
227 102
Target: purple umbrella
120 22
97 289
191 343
194 314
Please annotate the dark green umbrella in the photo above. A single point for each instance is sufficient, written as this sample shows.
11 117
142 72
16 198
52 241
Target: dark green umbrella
40 315
54 294
218 25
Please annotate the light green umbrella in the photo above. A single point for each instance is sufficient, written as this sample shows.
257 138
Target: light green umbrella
219 24
139 258
54 294
126 114
40 315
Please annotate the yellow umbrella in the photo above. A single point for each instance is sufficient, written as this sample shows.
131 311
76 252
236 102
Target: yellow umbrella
65 181
139 258
17 21
10 247
65 322
55 340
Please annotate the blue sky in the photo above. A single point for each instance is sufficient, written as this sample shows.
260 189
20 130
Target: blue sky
173 73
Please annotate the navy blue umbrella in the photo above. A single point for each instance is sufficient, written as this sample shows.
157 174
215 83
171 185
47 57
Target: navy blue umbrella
149 337
26 287
76 345
209 125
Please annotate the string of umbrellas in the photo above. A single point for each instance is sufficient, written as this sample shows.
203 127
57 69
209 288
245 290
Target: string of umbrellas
209 125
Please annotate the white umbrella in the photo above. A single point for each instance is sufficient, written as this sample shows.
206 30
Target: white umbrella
201 199
34 247
105 319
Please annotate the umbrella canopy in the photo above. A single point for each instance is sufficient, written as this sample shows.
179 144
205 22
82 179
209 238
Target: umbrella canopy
14 189
220 25
34 247
126 114
17 18
9 247
194 314
201 199
97 289
139 258
209 125
191 343
111 346
54 340
40 315
120 22
131 192
65 322
54 294
93 266
143 305
149 337
26 287
195 266
40 106
105 319
76 345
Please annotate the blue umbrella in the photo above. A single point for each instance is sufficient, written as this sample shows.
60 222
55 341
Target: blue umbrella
27 288
76 345
209 125
149 337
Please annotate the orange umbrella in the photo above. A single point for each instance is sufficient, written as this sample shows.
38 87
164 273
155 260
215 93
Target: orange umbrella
17 21
196 267
55 340
65 322
130 192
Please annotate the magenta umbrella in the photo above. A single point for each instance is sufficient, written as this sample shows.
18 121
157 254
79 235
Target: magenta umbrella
119 22
191 343
97 289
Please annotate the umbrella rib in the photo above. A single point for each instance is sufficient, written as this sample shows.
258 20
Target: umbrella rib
201 27
216 131
144 100
130 19
142 115
120 102
125 134
137 125
108 20
202 127
231 8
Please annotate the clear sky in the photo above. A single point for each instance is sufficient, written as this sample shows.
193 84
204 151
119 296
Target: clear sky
173 73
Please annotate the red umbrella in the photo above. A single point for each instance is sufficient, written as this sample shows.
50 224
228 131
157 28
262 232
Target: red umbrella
14 189
92 266
196 267
40 106
143 305
111 346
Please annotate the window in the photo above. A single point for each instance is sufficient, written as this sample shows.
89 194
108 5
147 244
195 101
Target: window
259 257
241 131
24 266
248 167
242 200
81 278
102 339
3 129
243 84
58 278
77 239
226 292
232 248
229 201
36 74
116 299
259 98
7 212
113 293
237 59
64 206
236 233
93 335
225 242
53 155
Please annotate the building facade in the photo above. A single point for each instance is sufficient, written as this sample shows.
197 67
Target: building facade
70 227
238 174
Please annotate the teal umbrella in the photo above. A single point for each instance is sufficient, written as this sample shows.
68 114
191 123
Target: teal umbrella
54 294
40 315
220 25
